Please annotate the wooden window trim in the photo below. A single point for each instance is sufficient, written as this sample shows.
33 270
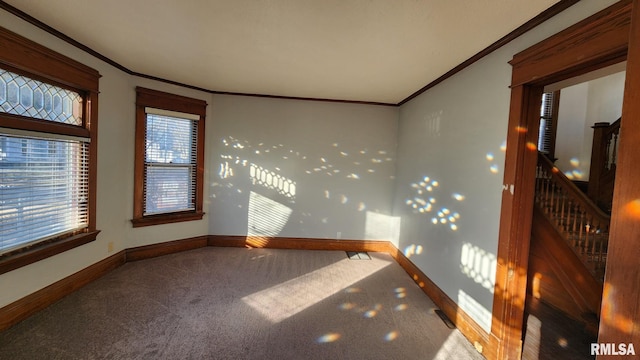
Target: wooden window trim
165 101
34 60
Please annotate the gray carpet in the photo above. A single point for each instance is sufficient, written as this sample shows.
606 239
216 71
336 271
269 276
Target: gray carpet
235 303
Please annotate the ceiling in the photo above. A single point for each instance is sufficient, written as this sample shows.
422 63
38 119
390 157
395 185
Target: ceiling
358 50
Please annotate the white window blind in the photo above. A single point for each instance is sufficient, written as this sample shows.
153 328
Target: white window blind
545 136
43 189
170 163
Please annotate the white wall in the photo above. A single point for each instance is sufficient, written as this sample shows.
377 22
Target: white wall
581 106
454 134
338 158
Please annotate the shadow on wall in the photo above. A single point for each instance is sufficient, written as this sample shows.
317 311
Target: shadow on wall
274 190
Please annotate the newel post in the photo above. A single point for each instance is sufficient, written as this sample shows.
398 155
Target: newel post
598 158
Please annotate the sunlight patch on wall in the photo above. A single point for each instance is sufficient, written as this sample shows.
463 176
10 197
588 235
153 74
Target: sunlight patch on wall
432 123
266 217
272 180
284 300
384 227
479 265
474 309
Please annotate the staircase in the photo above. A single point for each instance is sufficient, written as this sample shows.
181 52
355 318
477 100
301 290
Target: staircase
583 225
568 246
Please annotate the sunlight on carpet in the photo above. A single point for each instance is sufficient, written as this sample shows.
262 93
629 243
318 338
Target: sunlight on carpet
284 300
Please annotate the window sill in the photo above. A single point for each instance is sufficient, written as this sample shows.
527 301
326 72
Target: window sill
166 218
44 250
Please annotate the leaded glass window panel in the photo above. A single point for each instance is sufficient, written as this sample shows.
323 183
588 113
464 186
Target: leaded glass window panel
21 95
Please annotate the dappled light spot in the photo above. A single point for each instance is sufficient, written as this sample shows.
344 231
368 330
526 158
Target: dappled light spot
490 156
457 196
362 206
413 249
225 171
401 292
563 342
328 338
521 129
632 209
400 307
410 250
352 290
610 315
370 314
532 146
494 169
353 176
391 336
347 306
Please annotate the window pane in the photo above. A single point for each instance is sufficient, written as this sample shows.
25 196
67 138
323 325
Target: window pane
169 189
170 163
43 189
169 140
21 95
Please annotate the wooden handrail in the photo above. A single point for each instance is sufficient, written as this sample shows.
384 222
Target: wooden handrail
568 186
578 219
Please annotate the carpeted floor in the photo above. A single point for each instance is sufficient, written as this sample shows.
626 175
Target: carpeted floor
234 303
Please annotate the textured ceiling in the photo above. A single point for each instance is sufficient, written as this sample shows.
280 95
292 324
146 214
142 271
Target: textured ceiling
362 50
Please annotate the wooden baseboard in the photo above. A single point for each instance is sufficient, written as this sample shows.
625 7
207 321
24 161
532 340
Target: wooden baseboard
23 308
165 248
30 304
467 326
298 243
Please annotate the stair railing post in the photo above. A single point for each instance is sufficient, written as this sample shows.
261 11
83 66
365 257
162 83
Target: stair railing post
598 159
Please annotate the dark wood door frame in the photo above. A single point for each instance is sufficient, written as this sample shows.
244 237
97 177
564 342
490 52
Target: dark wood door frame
598 41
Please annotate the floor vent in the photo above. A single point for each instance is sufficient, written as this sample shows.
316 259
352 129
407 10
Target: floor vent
358 255
445 319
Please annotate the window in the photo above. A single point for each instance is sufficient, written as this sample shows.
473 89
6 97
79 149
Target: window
169 158
48 122
548 123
